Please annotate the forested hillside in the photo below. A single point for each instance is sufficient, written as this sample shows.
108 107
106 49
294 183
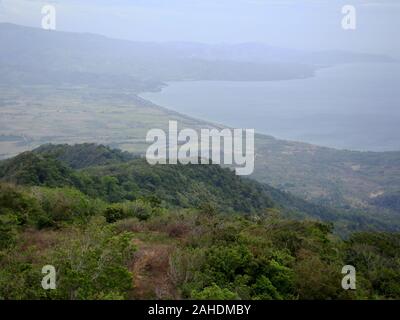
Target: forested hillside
118 228
154 252
114 176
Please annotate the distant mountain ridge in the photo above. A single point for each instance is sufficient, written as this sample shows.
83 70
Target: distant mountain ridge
35 56
261 52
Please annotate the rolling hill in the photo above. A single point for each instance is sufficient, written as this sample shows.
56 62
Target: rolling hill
115 176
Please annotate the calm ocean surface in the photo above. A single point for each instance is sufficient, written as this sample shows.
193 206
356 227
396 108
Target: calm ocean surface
350 106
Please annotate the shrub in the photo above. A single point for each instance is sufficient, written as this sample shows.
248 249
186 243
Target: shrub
17 202
214 292
113 214
140 209
91 262
7 230
129 224
65 205
94 264
265 290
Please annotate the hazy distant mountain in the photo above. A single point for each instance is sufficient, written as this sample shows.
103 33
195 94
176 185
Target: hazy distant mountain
35 56
263 53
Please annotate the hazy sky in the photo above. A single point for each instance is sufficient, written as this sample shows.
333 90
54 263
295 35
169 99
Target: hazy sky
302 24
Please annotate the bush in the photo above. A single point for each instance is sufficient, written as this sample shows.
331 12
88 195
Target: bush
7 230
113 214
91 262
214 292
17 202
65 205
94 264
129 224
139 209
265 290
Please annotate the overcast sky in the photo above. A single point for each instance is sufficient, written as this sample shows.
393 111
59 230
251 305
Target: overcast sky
301 24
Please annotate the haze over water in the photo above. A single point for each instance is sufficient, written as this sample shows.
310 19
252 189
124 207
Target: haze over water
353 106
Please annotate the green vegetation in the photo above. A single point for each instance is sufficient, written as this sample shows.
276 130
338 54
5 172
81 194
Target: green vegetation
128 180
113 176
92 263
124 231
84 155
210 255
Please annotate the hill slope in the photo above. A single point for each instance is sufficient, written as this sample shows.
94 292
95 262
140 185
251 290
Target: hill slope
114 176
140 251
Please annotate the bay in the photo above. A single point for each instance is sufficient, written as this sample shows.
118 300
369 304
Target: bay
355 106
